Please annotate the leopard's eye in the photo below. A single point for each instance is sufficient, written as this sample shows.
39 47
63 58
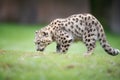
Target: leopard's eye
45 34
38 43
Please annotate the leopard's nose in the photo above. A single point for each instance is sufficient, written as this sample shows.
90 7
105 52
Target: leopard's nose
40 49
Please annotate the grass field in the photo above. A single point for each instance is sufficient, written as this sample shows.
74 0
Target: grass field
20 61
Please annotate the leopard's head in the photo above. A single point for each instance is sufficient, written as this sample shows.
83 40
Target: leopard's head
42 39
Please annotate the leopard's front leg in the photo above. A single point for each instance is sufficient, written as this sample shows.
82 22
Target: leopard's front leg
63 48
63 42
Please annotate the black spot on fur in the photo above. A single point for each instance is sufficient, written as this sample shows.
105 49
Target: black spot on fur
72 23
88 40
92 34
86 23
66 41
98 34
101 30
63 50
70 41
60 31
88 35
69 23
66 48
76 31
89 24
62 24
76 26
86 44
106 50
85 18
90 49
96 24
62 38
62 34
102 35
76 19
53 28
110 49
67 45
80 23
74 15
91 44
90 30
104 46
93 39
88 17
65 24
104 41
69 30
85 36
81 30
71 26
67 36
80 16
73 19
59 24
93 22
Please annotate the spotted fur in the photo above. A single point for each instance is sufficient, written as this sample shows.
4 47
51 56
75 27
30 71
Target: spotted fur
84 27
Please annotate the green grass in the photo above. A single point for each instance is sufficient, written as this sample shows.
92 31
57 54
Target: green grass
20 61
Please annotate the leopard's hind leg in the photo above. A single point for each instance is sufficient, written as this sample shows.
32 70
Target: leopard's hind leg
89 38
90 48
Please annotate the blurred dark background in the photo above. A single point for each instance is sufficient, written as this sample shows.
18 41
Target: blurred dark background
43 11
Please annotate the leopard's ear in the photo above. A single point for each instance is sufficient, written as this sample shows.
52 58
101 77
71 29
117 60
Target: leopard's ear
36 32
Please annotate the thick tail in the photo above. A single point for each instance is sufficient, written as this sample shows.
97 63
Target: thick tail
104 43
